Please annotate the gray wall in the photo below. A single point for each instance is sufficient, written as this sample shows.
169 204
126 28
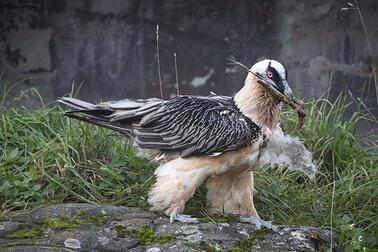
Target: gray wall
111 46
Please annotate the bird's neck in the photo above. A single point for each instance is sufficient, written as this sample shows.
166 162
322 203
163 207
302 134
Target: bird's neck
255 102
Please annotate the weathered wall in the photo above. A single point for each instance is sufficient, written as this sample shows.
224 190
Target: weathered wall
111 46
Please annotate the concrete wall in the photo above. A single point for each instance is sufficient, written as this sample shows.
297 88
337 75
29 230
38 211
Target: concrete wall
111 45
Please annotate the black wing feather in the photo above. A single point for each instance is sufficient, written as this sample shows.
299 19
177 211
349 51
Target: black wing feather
197 125
191 125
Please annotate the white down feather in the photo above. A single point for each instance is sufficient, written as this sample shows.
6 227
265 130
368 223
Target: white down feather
287 151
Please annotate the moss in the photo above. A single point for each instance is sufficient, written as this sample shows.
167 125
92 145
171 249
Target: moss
22 233
14 244
263 233
219 219
235 249
162 239
204 246
80 218
247 244
123 231
59 224
146 235
83 217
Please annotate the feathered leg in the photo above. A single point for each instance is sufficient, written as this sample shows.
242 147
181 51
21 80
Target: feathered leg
175 184
232 193
177 180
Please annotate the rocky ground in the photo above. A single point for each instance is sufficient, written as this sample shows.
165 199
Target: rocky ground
86 227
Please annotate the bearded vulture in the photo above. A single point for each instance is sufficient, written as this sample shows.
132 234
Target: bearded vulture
213 139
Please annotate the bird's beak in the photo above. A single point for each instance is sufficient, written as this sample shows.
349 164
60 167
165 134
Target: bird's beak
288 91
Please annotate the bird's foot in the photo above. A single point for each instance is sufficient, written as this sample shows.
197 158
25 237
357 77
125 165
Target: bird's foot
258 222
182 218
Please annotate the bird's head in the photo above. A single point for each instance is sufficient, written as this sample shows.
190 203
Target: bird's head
274 73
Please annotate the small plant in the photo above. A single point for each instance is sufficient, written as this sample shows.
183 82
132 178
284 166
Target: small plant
59 224
146 235
23 233
353 238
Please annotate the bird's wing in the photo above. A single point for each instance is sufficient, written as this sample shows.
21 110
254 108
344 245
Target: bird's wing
196 125
189 125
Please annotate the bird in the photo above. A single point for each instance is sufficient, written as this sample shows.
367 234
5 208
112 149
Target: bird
214 139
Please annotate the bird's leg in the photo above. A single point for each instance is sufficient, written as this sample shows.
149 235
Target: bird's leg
253 216
174 216
232 193
175 184
183 193
258 222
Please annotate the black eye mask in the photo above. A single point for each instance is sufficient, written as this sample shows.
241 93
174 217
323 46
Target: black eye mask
277 79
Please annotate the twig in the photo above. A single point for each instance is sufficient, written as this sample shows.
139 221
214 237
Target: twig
355 6
177 81
292 102
372 58
158 61
332 206
329 85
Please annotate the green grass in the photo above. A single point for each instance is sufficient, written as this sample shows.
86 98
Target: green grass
23 233
346 187
47 158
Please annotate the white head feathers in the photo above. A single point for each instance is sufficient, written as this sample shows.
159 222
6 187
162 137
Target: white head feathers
261 67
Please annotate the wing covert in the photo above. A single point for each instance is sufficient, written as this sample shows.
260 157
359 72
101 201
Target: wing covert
195 125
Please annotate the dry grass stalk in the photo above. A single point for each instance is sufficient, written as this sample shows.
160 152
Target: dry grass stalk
356 7
371 53
158 62
177 81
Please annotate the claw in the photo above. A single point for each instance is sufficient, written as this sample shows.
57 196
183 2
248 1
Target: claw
182 218
258 222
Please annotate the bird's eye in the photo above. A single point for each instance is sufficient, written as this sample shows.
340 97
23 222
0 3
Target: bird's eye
269 74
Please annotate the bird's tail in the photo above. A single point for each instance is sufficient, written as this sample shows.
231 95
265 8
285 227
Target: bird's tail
118 116
93 114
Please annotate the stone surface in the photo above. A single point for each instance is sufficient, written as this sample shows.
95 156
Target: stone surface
111 46
113 228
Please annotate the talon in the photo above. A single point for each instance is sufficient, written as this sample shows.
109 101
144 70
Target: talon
182 218
186 215
258 222
253 220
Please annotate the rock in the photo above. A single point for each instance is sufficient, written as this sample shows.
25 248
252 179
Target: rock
86 227
154 249
11 226
72 243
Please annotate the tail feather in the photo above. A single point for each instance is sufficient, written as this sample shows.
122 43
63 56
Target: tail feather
77 104
104 124
116 115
